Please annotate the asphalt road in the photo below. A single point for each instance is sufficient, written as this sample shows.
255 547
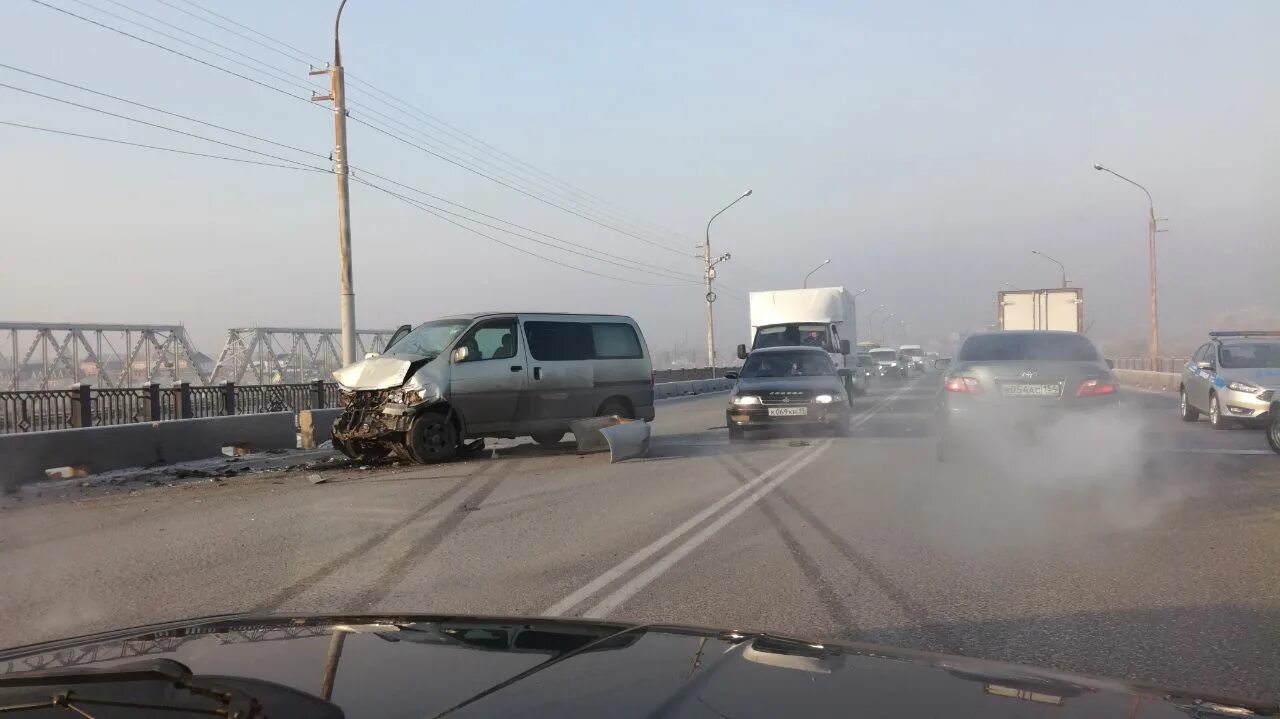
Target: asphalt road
1144 549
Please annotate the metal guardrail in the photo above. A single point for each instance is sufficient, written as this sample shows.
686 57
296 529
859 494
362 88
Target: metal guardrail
1150 364
87 406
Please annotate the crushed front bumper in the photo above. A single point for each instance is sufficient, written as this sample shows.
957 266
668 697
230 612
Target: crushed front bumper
369 416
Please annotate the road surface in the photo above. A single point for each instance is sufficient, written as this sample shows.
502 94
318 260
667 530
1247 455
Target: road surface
1147 550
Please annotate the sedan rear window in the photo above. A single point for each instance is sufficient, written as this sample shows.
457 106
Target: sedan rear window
1034 347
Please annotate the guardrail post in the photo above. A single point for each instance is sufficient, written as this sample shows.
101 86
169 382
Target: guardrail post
317 394
228 398
182 400
153 402
81 405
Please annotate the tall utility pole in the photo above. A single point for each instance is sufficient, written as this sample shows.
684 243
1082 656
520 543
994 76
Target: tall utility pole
710 275
338 94
1153 340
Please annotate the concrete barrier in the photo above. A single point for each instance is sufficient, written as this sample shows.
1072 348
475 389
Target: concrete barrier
25 457
1155 381
315 426
186 439
690 387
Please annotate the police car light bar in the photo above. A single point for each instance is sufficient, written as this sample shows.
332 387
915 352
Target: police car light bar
1246 333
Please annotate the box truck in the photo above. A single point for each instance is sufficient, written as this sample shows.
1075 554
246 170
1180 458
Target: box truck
815 317
1052 309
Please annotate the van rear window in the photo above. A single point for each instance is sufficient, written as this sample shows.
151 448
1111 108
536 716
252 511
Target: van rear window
569 341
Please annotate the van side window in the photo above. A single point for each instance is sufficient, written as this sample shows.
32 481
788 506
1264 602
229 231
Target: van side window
495 339
616 340
559 341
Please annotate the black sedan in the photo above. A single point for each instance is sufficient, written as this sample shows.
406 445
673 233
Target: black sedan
788 387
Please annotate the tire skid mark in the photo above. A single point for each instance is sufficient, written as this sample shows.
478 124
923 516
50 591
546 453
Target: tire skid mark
331 567
831 601
865 566
397 570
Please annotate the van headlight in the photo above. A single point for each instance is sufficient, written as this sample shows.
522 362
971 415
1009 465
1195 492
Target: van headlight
745 399
416 392
824 399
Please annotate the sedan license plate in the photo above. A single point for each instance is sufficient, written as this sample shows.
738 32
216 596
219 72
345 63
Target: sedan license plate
1031 390
788 411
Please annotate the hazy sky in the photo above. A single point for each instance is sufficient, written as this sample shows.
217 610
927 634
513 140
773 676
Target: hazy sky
925 147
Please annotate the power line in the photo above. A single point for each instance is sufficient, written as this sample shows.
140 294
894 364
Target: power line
372 125
151 124
179 53
615 260
164 149
403 106
512 187
161 110
414 203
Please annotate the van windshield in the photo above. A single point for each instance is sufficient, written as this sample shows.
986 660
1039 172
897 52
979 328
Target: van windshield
429 339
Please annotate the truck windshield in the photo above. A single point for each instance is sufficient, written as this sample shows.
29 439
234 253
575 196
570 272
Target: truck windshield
788 364
792 335
1241 355
1031 346
884 355
912 351
430 338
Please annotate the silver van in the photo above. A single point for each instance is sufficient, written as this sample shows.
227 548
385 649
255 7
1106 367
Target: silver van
504 374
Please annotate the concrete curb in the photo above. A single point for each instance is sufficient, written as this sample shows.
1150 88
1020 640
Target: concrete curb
666 390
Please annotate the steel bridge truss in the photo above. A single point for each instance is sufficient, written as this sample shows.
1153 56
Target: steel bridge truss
44 355
270 355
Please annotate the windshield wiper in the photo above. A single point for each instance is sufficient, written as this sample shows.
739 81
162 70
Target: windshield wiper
155 687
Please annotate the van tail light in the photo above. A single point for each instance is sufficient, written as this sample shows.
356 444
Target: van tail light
1095 387
963 385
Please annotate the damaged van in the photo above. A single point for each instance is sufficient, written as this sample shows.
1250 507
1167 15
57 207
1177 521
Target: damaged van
444 386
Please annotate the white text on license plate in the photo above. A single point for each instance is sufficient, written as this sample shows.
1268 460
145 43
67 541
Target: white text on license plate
788 411
1032 390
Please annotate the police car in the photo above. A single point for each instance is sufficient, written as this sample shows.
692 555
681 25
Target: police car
1233 378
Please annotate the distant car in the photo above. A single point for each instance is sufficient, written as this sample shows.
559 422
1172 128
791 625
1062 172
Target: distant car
1002 384
890 362
913 355
1233 378
867 366
788 387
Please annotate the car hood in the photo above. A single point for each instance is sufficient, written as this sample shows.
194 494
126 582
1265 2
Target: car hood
422 665
766 384
1266 377
380 372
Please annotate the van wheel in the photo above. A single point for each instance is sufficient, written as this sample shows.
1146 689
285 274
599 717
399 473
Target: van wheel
1189 413
431 438
548 438
612 407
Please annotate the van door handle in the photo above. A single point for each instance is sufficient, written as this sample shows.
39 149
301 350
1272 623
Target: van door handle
537 373
516 368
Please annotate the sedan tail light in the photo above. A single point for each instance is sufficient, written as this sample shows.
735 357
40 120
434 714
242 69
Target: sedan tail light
965 385
1095 387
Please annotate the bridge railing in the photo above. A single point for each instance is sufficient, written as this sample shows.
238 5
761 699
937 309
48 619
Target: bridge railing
87 406
1150 364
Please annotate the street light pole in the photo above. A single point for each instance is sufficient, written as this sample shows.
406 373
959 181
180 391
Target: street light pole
338 94
1153 341
710 276
871 316
882 323
1059 264
824 263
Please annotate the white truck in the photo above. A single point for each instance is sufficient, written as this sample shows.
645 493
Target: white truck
1053 309
816 317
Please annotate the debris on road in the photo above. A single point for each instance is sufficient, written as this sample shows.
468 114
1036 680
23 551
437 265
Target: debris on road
317 478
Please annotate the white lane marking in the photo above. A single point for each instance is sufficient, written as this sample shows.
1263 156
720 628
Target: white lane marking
660 567
1190 450
629 563
626 565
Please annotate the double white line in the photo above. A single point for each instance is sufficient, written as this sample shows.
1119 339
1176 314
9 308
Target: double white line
756 489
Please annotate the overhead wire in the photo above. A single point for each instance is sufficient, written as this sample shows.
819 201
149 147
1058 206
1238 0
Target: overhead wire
164 149
406 108
632 265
